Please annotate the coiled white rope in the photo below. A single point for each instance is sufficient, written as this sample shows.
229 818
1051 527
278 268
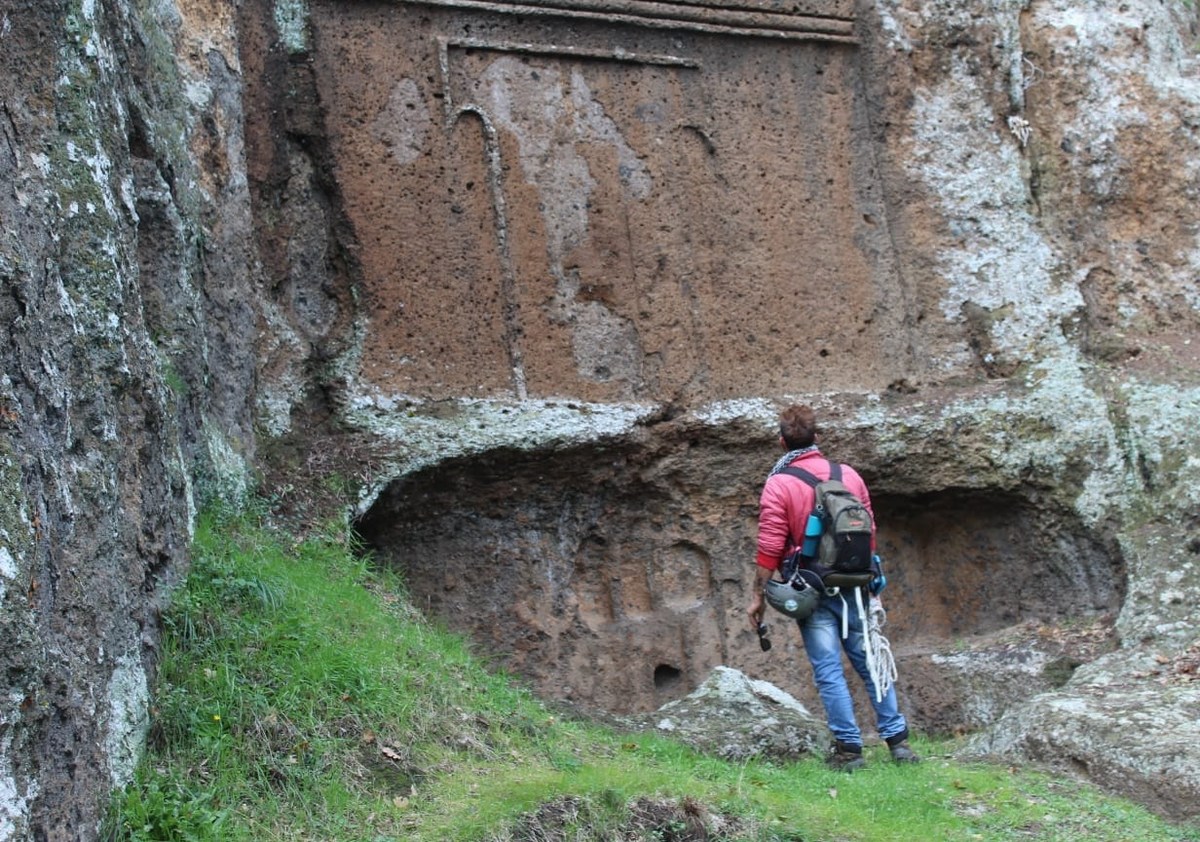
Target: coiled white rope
881 664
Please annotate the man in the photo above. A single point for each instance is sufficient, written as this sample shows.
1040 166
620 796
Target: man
784 507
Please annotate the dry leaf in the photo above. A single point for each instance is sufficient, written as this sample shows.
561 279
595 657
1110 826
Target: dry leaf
833 792
390 753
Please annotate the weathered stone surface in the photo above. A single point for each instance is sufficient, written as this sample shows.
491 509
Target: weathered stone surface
965 684
607 212
646 563
1018 459
1128 722
535 285
125 356
737 717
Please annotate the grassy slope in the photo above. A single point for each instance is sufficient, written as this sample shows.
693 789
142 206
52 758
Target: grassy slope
301 698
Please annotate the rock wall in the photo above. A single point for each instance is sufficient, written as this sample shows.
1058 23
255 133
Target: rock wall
604 210
125 369
1036 276
533 286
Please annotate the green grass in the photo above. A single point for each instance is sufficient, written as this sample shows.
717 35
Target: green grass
300 698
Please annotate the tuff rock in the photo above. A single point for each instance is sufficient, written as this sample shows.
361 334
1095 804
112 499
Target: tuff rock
520 296
737 717
1127 721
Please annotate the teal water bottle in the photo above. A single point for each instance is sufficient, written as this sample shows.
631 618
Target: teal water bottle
880 581
812 537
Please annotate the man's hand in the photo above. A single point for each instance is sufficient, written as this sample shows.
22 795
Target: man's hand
757 605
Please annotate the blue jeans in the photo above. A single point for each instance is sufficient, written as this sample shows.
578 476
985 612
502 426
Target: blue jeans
822 633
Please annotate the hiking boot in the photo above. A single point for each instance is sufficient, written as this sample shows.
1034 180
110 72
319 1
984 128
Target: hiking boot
845 757
901 751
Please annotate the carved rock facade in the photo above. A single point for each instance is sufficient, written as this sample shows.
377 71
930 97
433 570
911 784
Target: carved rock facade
535 279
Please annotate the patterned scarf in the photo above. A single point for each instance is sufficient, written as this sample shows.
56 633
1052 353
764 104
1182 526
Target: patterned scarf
789 457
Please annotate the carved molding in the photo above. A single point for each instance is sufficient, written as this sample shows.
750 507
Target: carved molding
742 18
550 50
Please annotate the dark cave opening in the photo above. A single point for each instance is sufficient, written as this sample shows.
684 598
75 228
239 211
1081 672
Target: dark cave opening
615 580
666 677
963 562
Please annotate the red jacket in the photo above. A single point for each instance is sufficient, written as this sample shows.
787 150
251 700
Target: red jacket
787 501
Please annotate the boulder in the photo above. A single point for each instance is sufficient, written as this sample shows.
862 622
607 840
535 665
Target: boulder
1126 722
737 717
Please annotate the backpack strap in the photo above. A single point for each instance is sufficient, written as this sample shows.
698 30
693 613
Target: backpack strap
800 473
835 473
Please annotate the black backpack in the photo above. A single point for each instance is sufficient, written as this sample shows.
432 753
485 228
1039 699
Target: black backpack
844 545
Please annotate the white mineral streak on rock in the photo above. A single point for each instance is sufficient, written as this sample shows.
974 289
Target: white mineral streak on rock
531 104
8 569
1141 81
128 698
592 124
1001 260
291 19
553 119
723 412
15 797
403 124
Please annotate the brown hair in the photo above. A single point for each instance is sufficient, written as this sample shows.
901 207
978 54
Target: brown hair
798 426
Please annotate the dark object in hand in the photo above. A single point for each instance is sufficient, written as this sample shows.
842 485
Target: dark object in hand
763 640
